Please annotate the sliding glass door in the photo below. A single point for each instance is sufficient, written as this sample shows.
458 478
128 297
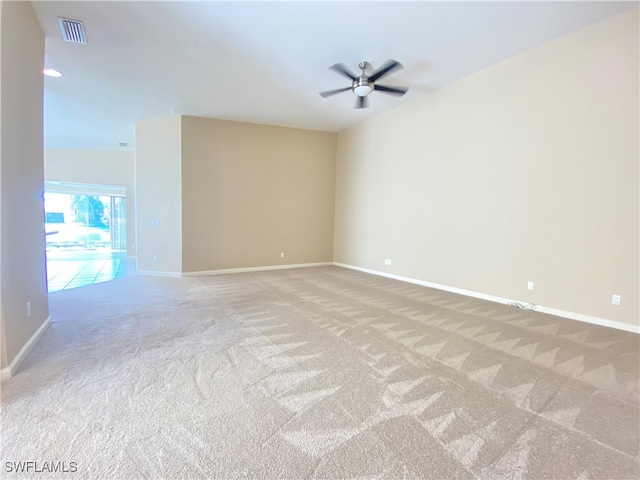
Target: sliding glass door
118 223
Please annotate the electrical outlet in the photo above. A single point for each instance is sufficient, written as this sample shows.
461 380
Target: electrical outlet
387 262
530 285
615 300
28 309
281 254
155 258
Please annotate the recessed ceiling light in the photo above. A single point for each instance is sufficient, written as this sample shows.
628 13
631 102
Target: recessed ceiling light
50 72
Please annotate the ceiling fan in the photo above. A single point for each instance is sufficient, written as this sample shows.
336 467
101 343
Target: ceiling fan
363 84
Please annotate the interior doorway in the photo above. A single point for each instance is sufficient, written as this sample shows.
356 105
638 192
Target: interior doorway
86 234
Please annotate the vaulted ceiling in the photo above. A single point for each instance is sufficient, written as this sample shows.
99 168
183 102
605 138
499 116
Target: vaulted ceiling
265 62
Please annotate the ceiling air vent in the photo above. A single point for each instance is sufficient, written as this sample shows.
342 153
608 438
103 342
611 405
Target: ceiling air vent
72 30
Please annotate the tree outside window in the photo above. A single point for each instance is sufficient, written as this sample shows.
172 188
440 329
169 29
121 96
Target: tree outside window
88 209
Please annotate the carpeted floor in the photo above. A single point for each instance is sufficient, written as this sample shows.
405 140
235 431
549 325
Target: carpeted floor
318 373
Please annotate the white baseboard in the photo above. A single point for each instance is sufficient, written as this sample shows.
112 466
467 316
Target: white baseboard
539 308
605 322
9 371
154 273
253 269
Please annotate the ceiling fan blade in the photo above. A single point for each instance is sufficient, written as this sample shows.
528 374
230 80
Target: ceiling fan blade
386 69
362 102
392 90
340 68
328 93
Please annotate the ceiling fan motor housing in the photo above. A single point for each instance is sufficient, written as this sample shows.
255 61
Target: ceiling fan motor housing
362 86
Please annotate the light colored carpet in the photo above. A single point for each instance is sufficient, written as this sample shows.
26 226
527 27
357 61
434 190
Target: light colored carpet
319 373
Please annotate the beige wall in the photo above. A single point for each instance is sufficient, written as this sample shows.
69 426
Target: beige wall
250 192
97 167
158 195
22 175
3 344
526 171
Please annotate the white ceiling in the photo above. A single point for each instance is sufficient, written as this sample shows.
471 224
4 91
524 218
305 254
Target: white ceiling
265 62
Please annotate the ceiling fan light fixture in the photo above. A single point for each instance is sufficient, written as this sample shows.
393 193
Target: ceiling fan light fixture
363 90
